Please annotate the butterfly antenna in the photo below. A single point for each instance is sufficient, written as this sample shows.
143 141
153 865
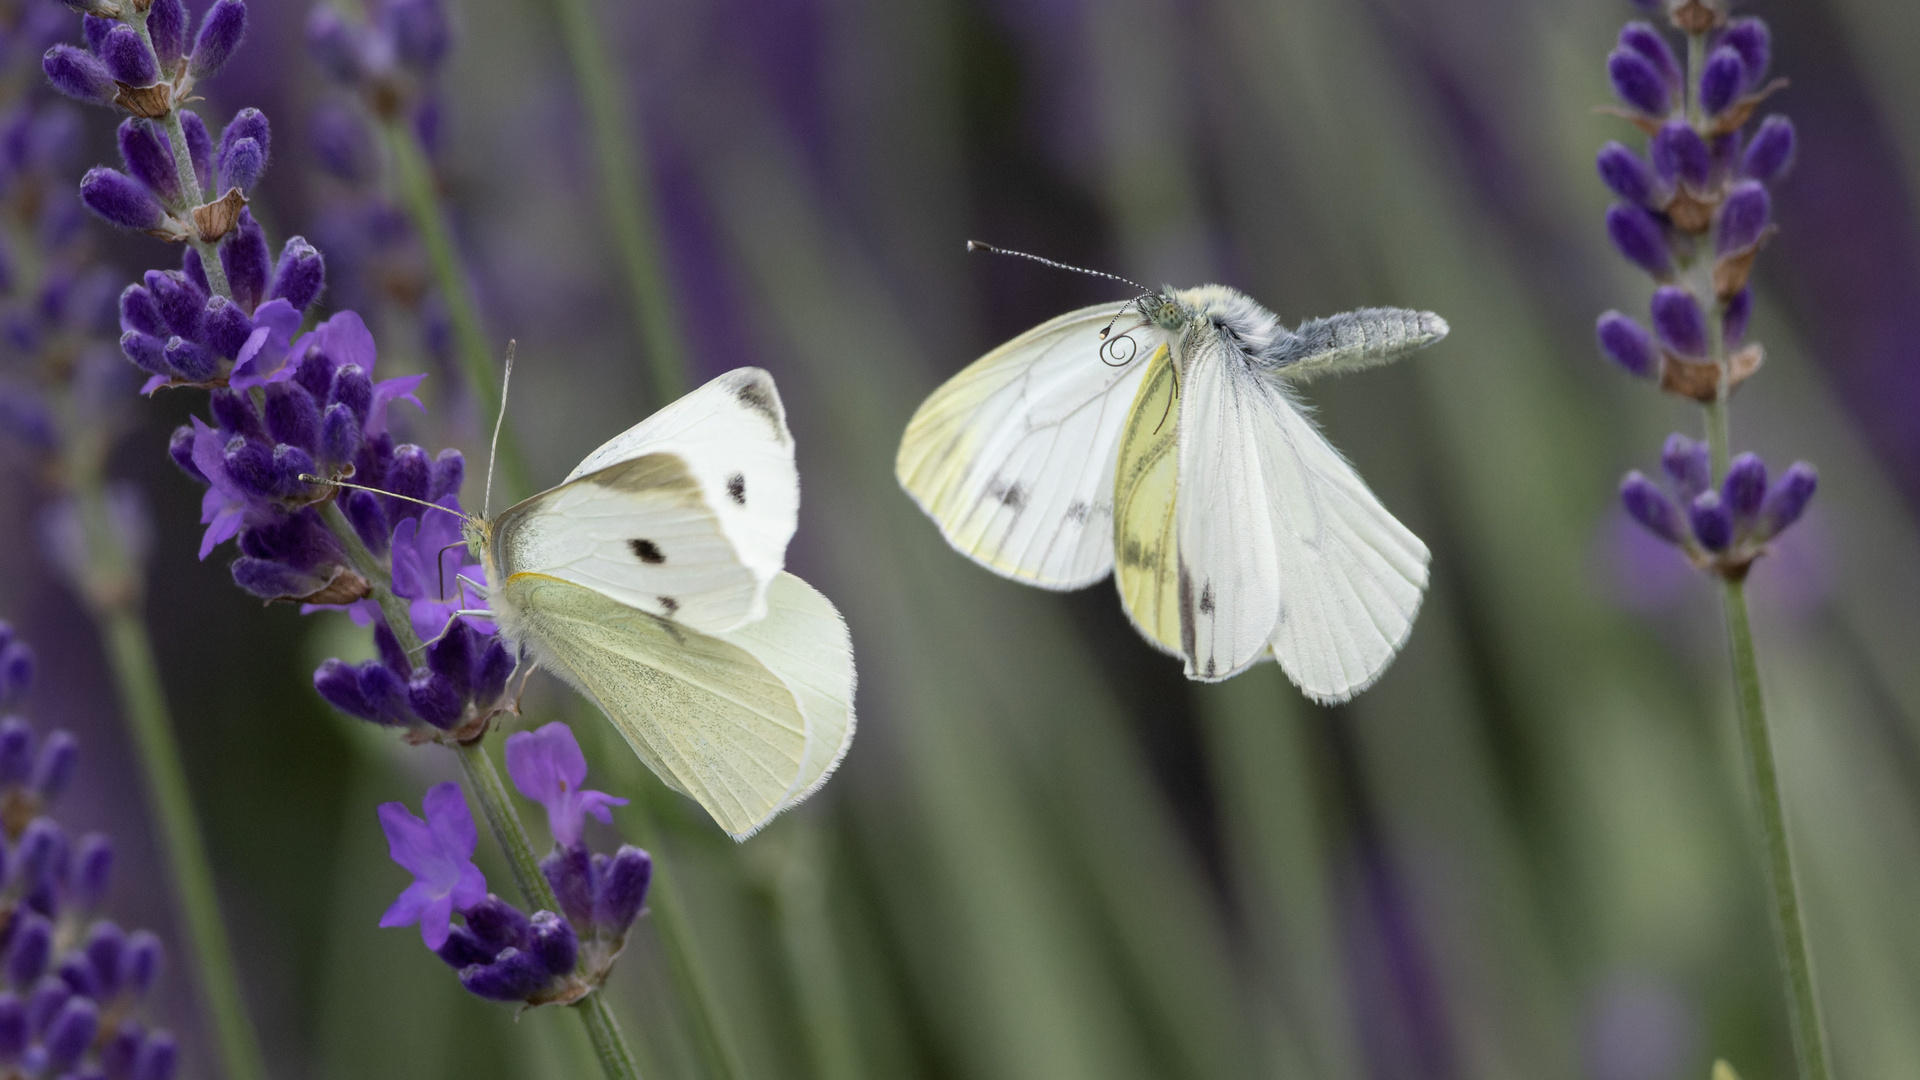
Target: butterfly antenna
493 450
309 478
975 245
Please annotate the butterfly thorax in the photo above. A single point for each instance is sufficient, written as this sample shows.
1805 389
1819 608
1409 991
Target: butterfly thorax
1245 325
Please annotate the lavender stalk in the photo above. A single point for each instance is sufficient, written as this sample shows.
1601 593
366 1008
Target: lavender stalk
1695 217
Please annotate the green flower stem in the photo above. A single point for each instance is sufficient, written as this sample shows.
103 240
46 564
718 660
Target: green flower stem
484 783
626 197
477 358
1796 961
137 678
183 170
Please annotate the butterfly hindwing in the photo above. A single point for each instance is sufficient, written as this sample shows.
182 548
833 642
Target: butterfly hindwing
1146 480
1013 457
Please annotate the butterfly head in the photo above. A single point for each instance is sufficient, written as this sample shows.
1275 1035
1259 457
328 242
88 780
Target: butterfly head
1166 310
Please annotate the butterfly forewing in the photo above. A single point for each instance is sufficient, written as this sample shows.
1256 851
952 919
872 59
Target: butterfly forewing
1014 456
641 532
732 434
705 714
1146 477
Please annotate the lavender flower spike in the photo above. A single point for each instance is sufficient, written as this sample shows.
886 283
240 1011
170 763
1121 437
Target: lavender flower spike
439 854
547 767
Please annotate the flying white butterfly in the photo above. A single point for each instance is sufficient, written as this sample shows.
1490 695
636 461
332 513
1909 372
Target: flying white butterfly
651 580
1161 436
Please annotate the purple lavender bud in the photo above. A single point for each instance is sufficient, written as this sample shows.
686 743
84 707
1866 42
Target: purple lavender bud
1743 218
1722 81
167 26
159 1057
452 657
127 58
300 274
498 923
95 858
225 327
250 464
242 165
385 694
16 749
449 472
246 124
1712 523
194 273
141 965
338 682
1680 153
1679 322
221 29
121 1049
249 265
233 412
59 754
392 656
181 305
71 1032
120 199
342 143
17 665
49 996
147 352
464 949
340 438
270 580
199 150
334 43
554 944
419 31
1687 464
1787 501
1627 343
410 475
290 463
1733 321
106 944
1638 83
1639 236
180 448
513 976
291 415
193 363
1644 39
369 518
78 75
94 30
1754 44
623 889
1770 154
352 388
137 312
148 159
13 1027
31 950
376 453
1628 175
570 871
434 699
1648 505
1744 489
491 671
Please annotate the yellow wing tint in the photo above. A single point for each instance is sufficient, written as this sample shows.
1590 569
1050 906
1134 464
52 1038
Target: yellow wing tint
1146 555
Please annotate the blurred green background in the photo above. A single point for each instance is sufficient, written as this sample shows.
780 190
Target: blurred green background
1528 852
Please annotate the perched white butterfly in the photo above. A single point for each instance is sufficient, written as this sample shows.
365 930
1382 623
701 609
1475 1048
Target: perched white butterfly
1162 435
651 580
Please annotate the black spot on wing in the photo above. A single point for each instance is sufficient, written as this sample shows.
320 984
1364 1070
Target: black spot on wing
1187 634
668 604
1206 599
1078 511
1012 496
647 552
737 488
757 394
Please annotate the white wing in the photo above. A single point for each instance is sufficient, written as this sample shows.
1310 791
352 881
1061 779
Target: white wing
1014 457
686 515
746 723
1344 580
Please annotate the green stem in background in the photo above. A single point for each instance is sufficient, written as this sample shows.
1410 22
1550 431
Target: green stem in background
626 197
478 360
484 783
1796 961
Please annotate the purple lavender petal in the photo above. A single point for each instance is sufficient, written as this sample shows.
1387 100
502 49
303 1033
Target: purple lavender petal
159 1057
1711 521
1679 322
623 889
247 261
1627 343
513 976
180 449
1649 506
1744 489
1649 42
199 149
263 358
439 853
226 327
554 944
71 1032
547 767
138 313
499 924
300 274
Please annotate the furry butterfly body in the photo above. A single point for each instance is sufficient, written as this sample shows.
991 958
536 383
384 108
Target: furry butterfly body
1160 440
652 581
